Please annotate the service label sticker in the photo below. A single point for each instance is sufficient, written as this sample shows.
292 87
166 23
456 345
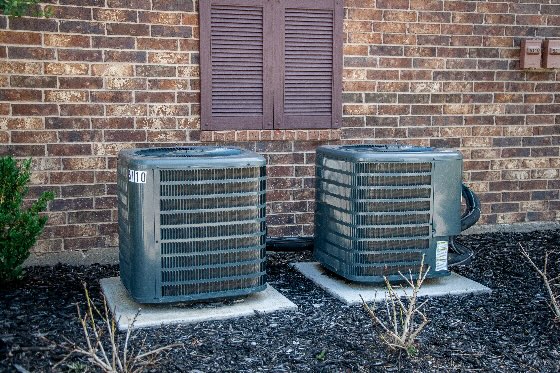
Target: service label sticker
441 255
138 177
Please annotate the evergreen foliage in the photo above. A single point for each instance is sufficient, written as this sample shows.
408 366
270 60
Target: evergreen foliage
19 8
19 226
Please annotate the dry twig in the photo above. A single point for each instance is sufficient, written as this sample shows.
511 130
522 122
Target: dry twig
103 348
549 283
406 320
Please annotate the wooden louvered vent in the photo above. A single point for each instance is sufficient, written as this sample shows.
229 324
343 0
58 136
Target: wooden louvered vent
308 59
271 64
237 61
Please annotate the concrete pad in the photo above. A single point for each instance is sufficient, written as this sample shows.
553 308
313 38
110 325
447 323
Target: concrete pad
349 292
153 315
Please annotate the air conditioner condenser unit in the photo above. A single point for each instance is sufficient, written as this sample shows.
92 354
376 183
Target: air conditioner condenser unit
381 208
191 223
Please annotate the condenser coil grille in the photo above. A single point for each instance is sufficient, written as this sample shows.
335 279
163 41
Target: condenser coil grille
198 208
199 226
375 210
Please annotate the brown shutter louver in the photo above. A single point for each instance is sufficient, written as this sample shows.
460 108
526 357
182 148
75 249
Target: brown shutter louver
310 59
271 64
235 65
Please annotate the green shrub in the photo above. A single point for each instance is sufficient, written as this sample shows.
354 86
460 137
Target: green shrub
19 226
18 8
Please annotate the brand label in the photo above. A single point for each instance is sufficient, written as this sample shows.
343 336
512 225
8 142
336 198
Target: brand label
138 177
441 255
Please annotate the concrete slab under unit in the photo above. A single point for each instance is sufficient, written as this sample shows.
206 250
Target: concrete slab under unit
350 292
154 315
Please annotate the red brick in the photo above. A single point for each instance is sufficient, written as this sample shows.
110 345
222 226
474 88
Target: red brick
105 177
365 37
157 43
439 17
125 135
171 31
89 216
20 95
167 136
392 62
54 68
81 163
69 149
31 53
126 83
156 71
115 15
393 4
33 24
181 85
425 28
71 177
125 56
153 97
400 16
113 42
71 12
66 96
20 38
390 27
129 4
160 18
111 96
126 110
82 27
79 136
23 137
364 14
168 58
70 204
56 123
34 109
80 55
113 123
127 29
80 83
435 5
67 40
22 123
71 230
173 5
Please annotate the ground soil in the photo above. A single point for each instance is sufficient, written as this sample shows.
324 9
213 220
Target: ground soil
510 330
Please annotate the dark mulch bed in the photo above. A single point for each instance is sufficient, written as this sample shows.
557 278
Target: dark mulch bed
510 330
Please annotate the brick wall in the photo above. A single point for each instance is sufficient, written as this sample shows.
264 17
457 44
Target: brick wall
102 75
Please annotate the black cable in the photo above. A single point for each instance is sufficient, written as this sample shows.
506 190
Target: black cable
472 213
289 243
460 254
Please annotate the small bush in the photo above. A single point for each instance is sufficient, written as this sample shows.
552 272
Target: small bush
406 319
103 346
19 226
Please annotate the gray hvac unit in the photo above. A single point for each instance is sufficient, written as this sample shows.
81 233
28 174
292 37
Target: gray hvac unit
191 223
380 208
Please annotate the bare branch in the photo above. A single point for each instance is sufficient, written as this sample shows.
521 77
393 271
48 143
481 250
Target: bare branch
548 282
97 337
406 320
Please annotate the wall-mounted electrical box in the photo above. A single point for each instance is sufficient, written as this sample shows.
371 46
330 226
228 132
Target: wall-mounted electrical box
551 54
530 57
